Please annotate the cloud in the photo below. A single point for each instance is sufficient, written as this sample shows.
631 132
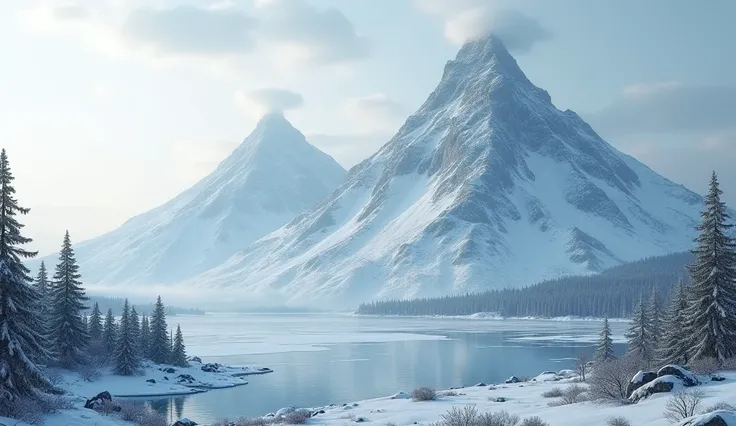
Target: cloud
309 34
668 107
191 30
376 113
258 102
470 19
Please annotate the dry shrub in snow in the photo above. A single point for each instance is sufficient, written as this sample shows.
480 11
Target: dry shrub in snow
246 421
555 392
128 411
33 410
570 395
469 416
705 366
533 421
501 418
719 406
610 379
683 404
424 394
449 393
618 421
298 417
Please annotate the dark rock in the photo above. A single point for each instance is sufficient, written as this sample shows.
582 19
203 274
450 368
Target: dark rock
344 405
360 420
688 378
355 404
716 418
150 381
500 399
717 378
168 370
166 378
512 379
99 400
481 384
195 359
185 378
211 368
640 379
185 422
659 385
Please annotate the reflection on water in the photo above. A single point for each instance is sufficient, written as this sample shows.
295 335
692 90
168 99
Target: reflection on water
347 372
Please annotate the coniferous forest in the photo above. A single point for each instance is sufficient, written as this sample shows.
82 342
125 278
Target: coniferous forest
44 321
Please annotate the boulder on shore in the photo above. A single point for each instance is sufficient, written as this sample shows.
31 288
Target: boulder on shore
185 422
96 402
512 379
688 378
659 385
716 418
640 379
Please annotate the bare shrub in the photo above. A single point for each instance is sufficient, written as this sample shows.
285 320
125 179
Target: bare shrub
54 403
683 404
247 421
128 411
581 366
533 421
609 380
33 410
705 366
424 394
466 416
719 406
89 373
555 392
618 421
501 418
350 417
573 394
298 417
449 393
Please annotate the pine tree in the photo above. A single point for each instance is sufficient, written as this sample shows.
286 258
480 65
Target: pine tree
126 359
68 332
640 333
110 335
159 344
95 324
145 337
711 315
604 348
21 338
674 344
135 330
655 317
179 352
42 287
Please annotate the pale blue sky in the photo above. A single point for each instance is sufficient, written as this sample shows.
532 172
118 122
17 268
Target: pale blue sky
110 107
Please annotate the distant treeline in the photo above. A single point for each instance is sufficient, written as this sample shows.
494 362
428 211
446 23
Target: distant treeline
614 292
116 304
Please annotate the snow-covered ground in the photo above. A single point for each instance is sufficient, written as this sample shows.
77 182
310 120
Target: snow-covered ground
523 399
158 380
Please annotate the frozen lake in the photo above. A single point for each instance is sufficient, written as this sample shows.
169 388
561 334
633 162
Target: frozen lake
319 359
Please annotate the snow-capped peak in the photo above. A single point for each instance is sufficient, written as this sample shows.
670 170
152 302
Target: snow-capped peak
487 185
271 177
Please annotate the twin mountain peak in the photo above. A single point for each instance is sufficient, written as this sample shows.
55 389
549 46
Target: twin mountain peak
487 185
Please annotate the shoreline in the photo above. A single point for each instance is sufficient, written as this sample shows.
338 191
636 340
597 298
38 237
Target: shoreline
492 316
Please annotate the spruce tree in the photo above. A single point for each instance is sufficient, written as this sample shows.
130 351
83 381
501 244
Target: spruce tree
135 329
640 333
674 344
655 317
145 337
126 359
179 352
22 343
604 349
160 347
95 324
68 332
42 287
711 314
110 335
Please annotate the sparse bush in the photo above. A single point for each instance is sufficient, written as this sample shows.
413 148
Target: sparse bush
705 366
449 393
683 404
252 421
298 417
33 410
719 406
609 380
581 366
534 421
424 394
618 421
501 418
555 392
571 395
89 373
466 416
128 411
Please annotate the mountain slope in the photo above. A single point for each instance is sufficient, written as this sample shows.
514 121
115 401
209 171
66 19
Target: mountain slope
269 179
487 185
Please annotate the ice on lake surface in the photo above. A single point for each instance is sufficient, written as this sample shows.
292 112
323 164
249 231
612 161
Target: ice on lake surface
320 359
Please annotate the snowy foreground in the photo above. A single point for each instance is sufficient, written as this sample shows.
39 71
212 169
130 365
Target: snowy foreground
156 380
522 399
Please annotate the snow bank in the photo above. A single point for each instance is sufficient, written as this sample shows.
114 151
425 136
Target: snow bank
716 418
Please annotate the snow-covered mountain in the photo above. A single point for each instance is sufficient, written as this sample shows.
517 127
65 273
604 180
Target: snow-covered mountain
487 185
273 176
